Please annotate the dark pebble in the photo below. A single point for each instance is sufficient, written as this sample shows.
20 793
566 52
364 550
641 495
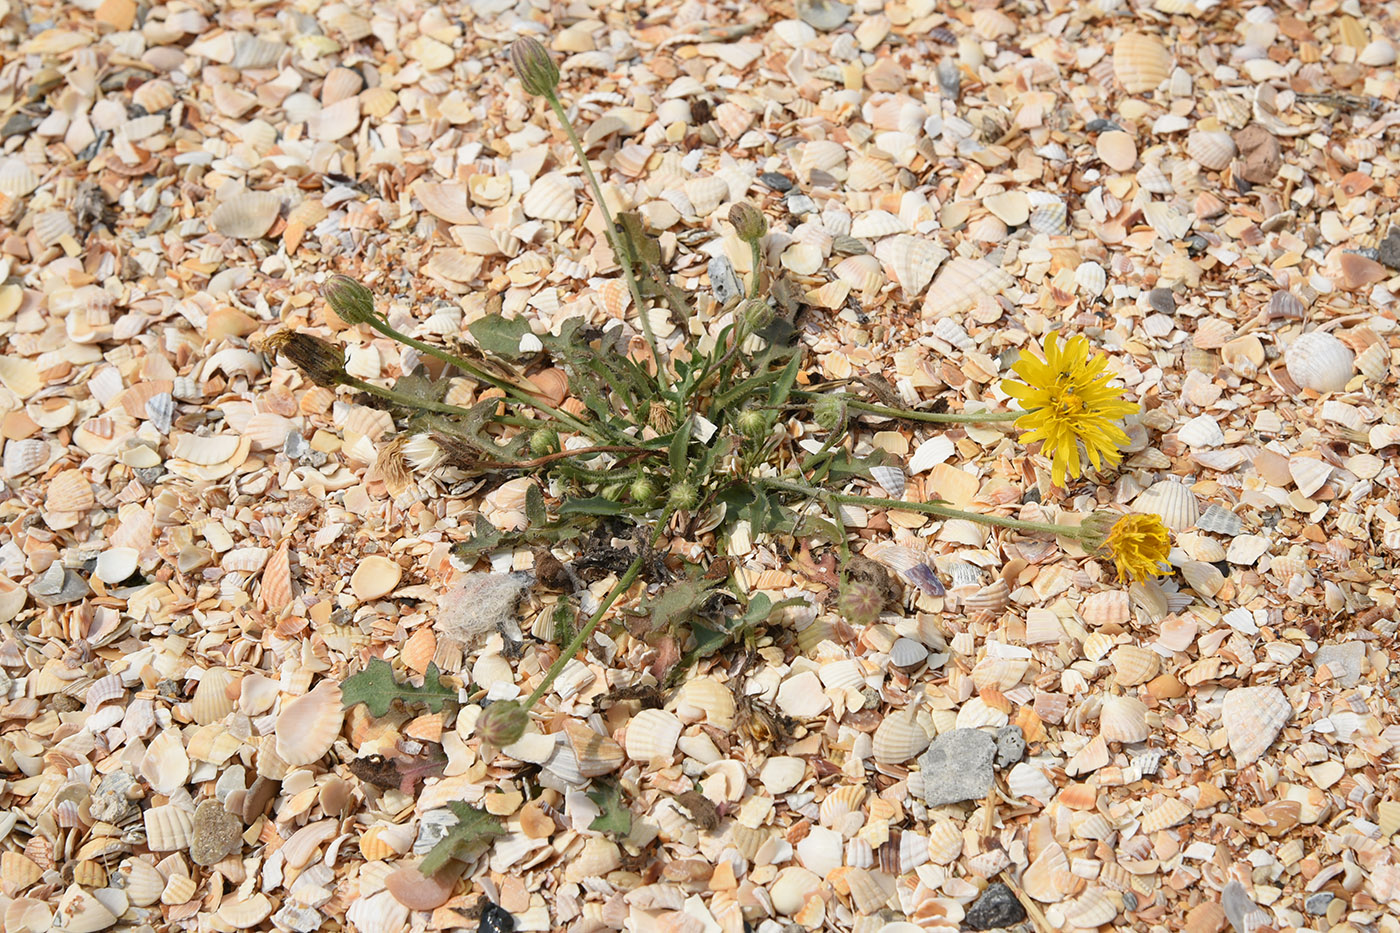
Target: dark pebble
495 920
1100 125
1317 904
779 183
1389 253
1162 300
997 907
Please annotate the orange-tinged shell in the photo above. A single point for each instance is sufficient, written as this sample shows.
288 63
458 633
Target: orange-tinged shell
308 726
1140 62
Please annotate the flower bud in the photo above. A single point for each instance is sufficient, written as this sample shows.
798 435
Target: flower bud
751 423
536 70
321 361
544 442
860 603
643 490
748 221
756 314
503 723
1093 531
830 412
350 300
683 496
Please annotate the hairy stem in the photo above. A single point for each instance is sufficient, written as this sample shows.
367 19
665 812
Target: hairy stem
969 417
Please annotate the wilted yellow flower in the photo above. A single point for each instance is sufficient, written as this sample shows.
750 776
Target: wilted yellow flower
1139 545
1068 401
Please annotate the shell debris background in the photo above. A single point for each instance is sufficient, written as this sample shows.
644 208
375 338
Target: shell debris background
196 546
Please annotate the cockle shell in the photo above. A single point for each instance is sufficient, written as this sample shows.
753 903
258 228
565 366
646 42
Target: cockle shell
165 765
1319 361
1090 910
140 880
551 197
913 260
843 800
247 215
211 698
1140 62
999 673
1171 501
168 828
1133 665
1213 149
862 273
875 224
1170 812
1123 719
308 726
1091 278
1253 718
80 912
652 734
962 281
899 737
1205 578
945 842
1048 878
705 699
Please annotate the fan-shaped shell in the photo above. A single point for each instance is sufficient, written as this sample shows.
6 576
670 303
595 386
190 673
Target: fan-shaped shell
308 726
862 273
1140 62
945 842
875 224
1133 665
1048 878
1170 812
168 828
551 197
140 881
843 800
706 194
899 737
652 734
1319 361
247 215
211 701
706 699
1213 149
1171 501
1090 910
960 284
1123 719
1203 577
165 765
1253 718
912 259
1091 278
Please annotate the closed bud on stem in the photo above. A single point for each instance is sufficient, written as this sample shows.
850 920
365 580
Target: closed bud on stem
683 496
642 490
544 442
1093 531
860 603
756 314
503 723
351 301
748 221
752 423
536 70
829 411
321 361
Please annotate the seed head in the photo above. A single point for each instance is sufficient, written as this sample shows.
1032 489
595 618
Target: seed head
536 70
860 603
752 423
642 490
684 496
350 300
322 361
830 412
544 442
756 314
748 221
660 418
503 723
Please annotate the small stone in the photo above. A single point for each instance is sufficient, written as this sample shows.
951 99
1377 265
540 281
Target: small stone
1317 904
1390 249
375 577
495 919
58 588
799 204
725 283
958 767
1011 746
1162 300
1344 661
217 833
1262 156
996 907
417 891
779 183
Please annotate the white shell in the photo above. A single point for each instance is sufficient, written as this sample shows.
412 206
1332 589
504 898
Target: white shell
1253 718
165 765
960 284
1123 719
706 194
308 726
551 197
1029 780
1048 878
1213 149
80 912
247 215
1091 278
1090 910
875 224
1201 431
1171 501
913 260
1309 473
899 737
862 273
652 734
945 842
1318 361
168 828
140 880
1133 665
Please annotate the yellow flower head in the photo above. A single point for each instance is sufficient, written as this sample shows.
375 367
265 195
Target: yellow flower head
1068 401
1139 545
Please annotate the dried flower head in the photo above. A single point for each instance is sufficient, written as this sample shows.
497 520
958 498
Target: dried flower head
350 300
503 723
536 70
660 418
1139 545
1068 402
748 221
861 603
322 361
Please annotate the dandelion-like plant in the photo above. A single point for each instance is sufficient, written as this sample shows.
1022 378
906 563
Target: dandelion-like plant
1068 402
1139 545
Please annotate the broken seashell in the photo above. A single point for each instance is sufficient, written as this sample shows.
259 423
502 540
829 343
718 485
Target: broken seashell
1252 718
247 215
652 734
1123 719
1140 62
309 725
1213 149
899 737
1171 501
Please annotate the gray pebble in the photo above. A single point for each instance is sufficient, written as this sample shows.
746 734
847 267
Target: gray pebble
958 767
1317 904
1389 253
1011 746
1162 300
780 183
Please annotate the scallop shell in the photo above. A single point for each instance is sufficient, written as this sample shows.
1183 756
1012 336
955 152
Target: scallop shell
708 700
1090 910
79 912
1050 219
1374 362
1170 812
178 889
1107 608
1091 278
868 174
1220 521
1123 719
1171 501
1213 149
899 737
211 701
168 828
906 654
1133 665
1319 361
862 273
960 284
913 260
28 915
875 224
551 197
245 913
1203 577
17 179
945 842
992 598
1202 431
652 734
1309 473
1140 62
999 673
705 194
891 479
1252 718
309 725
247 215
69 491
1029 780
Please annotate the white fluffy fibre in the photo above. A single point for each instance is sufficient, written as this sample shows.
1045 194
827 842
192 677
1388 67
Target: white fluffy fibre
480 604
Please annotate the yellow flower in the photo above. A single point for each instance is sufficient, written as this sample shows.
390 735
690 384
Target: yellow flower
1139 545
1068 401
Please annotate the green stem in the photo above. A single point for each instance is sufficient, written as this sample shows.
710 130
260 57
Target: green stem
407 401
757 261
610 231
968 417
581 638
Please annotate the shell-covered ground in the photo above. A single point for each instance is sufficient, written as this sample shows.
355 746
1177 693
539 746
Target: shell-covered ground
197 548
